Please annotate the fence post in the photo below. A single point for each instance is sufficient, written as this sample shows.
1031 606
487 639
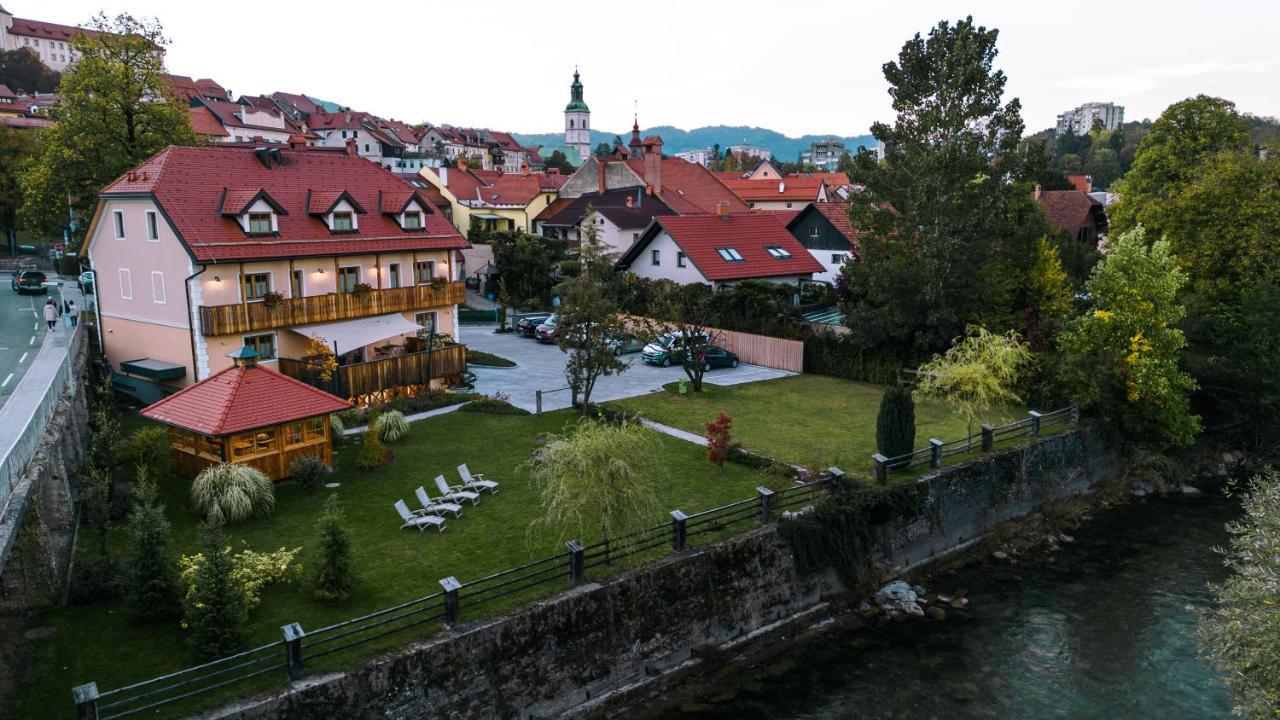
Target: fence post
293 635
86 697
451 587
766 504
539 402
679 530
880 468
577 565
837 480
1035 423
988 438
935 458
1075 414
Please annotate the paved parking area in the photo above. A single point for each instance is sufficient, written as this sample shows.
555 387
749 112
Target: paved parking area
22 328
541 367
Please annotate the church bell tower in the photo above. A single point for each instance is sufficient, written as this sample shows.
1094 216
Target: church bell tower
577 121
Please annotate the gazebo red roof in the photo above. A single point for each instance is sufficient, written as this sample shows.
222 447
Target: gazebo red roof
242 398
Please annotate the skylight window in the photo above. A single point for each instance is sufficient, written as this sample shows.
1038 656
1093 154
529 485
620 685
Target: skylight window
778 252
730 255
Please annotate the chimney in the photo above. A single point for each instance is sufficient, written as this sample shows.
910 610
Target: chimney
653 164
602 169
782 186
722 210
1036 196
297 142
351 147
1088 183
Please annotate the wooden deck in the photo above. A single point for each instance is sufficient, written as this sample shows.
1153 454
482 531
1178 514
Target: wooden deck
254 316
369 383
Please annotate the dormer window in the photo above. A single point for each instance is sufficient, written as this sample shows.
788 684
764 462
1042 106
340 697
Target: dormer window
260 223
343 221
412 220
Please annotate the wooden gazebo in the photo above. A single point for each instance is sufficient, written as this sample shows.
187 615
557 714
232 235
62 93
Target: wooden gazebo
247 414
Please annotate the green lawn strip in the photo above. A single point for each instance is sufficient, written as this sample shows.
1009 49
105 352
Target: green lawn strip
100 642
484 359
812 420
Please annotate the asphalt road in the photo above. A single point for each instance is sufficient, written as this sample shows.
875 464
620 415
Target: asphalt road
22 328
542 367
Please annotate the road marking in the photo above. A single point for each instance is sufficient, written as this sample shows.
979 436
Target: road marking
22 359
35 326
32 341
6 380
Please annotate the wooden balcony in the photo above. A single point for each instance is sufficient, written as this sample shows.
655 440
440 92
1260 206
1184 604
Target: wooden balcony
254 316
375 381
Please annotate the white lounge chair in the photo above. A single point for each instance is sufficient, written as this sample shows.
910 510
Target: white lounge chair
434 507
422 522
455 493
475 481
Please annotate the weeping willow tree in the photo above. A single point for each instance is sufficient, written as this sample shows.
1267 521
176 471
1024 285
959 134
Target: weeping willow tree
980 371
597 478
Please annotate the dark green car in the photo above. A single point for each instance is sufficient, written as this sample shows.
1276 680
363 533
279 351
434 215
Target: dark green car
718 357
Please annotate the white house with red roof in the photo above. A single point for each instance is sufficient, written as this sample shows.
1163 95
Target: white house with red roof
719 250
50 41
201 250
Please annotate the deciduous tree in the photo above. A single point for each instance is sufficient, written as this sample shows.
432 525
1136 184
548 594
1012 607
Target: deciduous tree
23 70
589 319
114 113
979 372
720 439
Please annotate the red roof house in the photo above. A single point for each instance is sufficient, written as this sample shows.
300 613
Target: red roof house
1074 212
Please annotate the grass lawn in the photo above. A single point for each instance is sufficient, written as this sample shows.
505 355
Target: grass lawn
484 359
811 420
100 642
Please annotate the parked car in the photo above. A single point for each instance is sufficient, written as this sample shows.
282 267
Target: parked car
718 357
528 326
549 330
86 282
623 343
29 281
667 349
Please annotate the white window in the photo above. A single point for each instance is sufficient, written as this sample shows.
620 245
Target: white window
426 321
679 259
153 226
260 223
730 254
157 287
655 257
837 258
117 217
264 345
412 220
126 284
343 222
788 206
778 252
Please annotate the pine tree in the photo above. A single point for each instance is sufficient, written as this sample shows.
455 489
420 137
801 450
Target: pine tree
151 563
335 574
216 613
896 423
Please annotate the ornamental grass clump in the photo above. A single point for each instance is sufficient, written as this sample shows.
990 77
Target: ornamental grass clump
373 454
392 426
230 492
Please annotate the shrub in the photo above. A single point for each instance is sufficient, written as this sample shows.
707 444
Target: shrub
335 573
392 426
896 422
230 492
336 425
495 404
215 608
719 439
251 571
373 454
150 562
96 578
309 472
147 447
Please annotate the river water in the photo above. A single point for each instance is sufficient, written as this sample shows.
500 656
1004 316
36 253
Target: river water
1102 631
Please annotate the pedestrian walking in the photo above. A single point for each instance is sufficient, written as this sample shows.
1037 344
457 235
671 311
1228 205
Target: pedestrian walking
51 313
72 312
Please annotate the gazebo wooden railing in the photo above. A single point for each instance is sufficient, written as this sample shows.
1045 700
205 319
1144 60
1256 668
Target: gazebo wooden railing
378 380
253 316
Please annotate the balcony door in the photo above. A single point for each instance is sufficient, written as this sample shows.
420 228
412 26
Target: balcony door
348 278
424 271
295 284
393 272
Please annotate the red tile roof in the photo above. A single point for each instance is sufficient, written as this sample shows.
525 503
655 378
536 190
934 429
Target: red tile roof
837 213
5 92
189 182
689 188
791 188
1083 183
230 114
25 123
699 237
242 398
549 182
832 179
304 104
48 30
1069 210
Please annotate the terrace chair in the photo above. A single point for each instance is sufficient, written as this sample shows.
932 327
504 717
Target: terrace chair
435 507
453 494
475 481
419 521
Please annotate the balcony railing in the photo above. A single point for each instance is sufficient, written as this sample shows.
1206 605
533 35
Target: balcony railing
253 316
369 383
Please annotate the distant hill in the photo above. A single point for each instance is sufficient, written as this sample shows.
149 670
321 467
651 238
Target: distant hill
677 140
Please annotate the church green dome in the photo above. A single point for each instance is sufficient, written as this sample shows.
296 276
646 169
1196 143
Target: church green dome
577 106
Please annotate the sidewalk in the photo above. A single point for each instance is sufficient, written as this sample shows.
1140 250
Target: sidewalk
674 432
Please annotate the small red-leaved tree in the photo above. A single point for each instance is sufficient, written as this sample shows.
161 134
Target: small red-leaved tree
719 440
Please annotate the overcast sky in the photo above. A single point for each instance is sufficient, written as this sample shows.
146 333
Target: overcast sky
793 66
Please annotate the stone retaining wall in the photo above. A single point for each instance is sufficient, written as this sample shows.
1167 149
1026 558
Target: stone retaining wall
584 649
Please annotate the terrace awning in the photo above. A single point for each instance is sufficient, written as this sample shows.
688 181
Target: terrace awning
154 369
486 216
350 335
